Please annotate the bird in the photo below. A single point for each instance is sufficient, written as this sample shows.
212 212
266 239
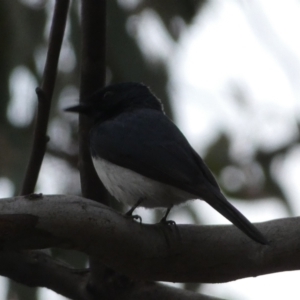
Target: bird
143 159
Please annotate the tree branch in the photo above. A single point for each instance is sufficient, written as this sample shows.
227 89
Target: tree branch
93 13
37 269
93 71
182 253
44 94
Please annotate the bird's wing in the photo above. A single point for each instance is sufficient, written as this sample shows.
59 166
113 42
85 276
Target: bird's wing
150 144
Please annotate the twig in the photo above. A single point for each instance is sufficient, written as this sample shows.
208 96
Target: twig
44 94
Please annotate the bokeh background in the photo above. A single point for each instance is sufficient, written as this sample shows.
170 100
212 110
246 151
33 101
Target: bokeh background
228 74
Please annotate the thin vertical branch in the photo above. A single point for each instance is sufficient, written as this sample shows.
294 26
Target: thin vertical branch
44 94
93 13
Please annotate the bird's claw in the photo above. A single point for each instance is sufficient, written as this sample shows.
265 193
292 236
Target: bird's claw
134 217
164 221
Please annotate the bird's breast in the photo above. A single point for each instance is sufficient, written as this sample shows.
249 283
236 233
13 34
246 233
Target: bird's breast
128 186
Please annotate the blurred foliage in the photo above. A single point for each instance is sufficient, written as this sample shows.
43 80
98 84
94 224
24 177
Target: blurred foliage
24 27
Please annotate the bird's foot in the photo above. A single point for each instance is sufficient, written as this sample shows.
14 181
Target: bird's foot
131 210
134 217
164 221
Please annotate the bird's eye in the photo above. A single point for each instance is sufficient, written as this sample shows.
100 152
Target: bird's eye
108 95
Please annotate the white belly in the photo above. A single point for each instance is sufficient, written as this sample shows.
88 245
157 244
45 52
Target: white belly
128 187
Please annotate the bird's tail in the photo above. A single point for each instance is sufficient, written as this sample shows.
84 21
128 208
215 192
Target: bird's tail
221 204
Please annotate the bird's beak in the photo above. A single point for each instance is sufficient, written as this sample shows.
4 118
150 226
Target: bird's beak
82 108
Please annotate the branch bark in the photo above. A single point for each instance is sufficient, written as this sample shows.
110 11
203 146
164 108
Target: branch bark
182 253
37 269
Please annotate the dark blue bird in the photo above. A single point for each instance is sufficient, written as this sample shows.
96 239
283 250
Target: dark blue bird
143 159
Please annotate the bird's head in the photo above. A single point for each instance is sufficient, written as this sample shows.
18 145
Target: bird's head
115 99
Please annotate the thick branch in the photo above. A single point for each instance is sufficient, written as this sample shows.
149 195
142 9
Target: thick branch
45 95
37 269
182 253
